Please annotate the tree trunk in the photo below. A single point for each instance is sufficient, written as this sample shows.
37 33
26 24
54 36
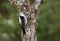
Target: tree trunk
28 9
30 31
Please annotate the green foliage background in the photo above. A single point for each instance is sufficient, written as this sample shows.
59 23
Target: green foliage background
48 28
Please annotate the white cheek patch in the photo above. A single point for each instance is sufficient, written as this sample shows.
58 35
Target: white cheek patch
20 20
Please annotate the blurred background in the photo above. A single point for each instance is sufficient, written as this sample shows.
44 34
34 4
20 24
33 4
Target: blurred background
48 28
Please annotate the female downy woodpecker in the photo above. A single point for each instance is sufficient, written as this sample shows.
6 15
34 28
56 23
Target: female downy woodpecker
22 21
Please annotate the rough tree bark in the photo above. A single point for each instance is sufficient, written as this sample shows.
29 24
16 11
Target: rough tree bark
30 9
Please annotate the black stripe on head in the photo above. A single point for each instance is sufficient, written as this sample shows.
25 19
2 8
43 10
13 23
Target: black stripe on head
22 18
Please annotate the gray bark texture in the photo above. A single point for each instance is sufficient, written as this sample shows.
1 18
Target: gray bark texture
28 10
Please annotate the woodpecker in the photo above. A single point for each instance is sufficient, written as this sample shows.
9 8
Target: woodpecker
22 21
